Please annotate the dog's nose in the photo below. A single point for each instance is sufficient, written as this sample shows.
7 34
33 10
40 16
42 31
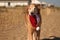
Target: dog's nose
32 13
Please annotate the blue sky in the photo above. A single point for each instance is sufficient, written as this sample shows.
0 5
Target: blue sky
55 2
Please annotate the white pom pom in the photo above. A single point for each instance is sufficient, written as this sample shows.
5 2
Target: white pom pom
38 28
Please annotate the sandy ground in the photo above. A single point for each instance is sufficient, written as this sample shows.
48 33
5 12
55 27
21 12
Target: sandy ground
12 23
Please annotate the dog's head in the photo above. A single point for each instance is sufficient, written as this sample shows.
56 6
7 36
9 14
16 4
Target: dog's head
33 9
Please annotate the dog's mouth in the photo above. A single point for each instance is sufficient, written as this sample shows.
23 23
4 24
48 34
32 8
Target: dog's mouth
33 13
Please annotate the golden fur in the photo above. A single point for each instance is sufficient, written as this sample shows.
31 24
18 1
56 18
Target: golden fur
28 24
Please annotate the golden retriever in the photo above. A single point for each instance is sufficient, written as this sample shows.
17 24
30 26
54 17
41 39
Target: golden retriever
33 24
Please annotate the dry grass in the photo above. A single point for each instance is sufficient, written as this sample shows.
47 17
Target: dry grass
12 23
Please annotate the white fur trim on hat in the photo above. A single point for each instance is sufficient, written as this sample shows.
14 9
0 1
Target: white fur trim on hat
38 28
35 2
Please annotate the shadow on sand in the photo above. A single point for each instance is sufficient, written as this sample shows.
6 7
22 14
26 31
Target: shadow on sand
52 38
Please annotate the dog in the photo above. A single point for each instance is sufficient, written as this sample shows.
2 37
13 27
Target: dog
33 19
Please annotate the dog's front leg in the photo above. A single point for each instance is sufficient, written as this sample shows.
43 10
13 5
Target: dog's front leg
29 29
30 34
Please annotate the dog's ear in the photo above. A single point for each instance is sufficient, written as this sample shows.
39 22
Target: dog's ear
27 9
